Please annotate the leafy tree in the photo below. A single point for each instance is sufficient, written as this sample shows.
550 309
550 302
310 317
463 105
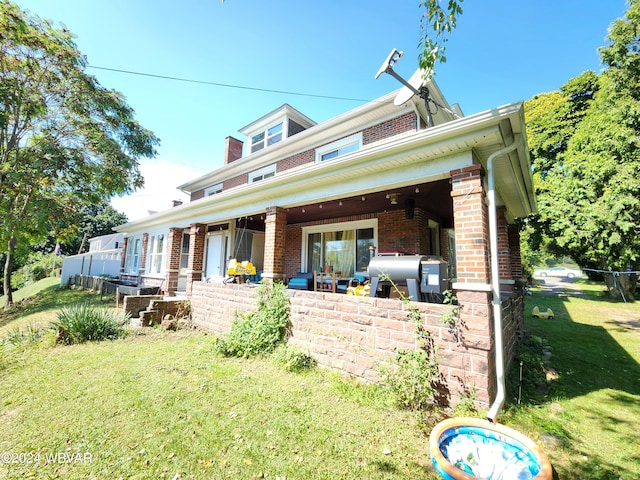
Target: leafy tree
437 22
65 140
586 146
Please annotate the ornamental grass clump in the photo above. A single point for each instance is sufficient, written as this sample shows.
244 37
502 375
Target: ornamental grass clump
83 322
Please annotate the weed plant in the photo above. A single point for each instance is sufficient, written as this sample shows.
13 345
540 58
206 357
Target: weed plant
261 331
80 323
293 359
415 382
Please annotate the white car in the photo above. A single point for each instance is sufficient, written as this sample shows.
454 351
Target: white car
558 272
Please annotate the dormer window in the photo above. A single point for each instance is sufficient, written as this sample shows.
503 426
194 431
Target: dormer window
275 127
271 135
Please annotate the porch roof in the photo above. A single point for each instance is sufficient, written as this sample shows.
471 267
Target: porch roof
417 158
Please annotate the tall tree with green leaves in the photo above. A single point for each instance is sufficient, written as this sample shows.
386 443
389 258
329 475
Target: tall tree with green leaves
586 147
436 24
65 141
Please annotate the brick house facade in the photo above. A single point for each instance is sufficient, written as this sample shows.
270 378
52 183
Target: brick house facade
306 195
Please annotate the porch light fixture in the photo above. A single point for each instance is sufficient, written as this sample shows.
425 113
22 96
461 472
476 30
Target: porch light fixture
393 197
417 190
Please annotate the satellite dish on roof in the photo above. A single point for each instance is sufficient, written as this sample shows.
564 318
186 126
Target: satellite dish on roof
411 90
416 82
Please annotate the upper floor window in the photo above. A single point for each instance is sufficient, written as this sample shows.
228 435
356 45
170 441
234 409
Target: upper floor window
263 173
212 190
339 148
267 137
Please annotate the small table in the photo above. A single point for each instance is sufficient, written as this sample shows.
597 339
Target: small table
325 282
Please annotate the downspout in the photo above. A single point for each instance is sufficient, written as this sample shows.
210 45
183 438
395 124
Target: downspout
495 278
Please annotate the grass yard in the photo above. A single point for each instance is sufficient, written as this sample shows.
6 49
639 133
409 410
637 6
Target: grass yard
164 405
592 410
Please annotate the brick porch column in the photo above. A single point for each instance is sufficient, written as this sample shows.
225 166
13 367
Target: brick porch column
196 254
471 225
143 254
504 251
513 232
174 248
274 243
473 289
123 258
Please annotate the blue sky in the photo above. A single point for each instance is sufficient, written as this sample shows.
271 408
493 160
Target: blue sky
501 52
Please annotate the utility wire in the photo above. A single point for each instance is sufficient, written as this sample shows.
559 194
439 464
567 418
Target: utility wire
227 85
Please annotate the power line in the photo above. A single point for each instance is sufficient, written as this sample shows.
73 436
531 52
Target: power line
226 85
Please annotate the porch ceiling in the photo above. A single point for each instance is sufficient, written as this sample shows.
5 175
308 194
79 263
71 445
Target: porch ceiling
433 197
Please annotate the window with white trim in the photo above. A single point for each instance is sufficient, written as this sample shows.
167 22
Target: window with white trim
134 250
263 173
267 137
212 190
339 148
156 254
343 247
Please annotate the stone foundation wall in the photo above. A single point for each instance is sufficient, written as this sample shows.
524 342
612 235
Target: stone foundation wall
356 335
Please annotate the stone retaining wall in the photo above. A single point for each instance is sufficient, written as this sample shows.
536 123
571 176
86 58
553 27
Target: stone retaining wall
358 334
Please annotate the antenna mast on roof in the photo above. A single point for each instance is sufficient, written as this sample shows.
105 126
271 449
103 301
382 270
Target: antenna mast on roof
423 92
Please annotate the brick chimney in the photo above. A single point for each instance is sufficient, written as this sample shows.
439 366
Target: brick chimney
232 150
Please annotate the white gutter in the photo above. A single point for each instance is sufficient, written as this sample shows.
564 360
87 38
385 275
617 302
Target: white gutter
495 278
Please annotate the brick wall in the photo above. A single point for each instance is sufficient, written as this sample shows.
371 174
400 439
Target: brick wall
471 225
195 266
402 124
504 255
275 233
514 251
395 126
197 195
356 335
296 160
143 255
235 181
174 248
396 233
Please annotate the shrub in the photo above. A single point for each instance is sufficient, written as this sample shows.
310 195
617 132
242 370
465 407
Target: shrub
24 338
84 322
293 359
262 331
38 266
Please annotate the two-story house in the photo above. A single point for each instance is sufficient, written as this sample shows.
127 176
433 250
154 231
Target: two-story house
294 196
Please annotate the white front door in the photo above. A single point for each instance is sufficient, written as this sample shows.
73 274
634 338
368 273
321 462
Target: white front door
216 253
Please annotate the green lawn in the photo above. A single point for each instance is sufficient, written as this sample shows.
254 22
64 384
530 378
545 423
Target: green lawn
158 405
163 405
593 406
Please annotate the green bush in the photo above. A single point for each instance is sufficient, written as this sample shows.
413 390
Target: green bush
38 266
412 381
84 322
261 331
293 359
